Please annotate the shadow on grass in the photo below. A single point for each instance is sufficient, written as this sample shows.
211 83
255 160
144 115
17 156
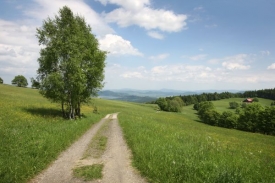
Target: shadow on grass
47 112
44 112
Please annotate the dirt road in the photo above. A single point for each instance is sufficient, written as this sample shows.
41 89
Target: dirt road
116 159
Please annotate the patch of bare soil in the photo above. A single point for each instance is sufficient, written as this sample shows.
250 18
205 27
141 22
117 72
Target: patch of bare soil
116 159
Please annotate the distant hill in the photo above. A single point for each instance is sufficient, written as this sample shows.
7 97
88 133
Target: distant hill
127 96
133 95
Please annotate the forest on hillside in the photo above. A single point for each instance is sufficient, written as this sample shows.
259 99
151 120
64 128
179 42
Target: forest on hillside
252 118
173 104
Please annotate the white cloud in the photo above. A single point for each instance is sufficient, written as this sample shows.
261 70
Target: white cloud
183 75
234 66
266 52
271 67
198 57
155 34
116 45
135 12
43 9
210 26
236 62
159 57
127 4
177 72
132 75
19 47
200 8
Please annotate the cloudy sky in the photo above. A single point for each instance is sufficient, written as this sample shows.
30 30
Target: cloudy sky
155 44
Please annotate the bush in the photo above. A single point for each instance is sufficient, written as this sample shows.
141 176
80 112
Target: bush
233 105
244 105
211 117
228 120
205 106
171 105
196 106
250 117
174 106
255 99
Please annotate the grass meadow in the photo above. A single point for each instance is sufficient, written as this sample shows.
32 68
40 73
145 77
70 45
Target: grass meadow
176 147
33 133
166 147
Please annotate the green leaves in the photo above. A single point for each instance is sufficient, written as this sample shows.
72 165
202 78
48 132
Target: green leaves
20 81
71 66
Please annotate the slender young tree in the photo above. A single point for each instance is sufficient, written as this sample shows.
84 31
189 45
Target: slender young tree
35 83
71 65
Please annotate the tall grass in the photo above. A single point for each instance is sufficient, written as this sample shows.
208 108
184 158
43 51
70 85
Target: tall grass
33 133
167 147
170 147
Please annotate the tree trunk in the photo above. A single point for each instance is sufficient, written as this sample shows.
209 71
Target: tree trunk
63 112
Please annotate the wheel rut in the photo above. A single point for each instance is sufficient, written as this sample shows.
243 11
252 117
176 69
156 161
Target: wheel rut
116 158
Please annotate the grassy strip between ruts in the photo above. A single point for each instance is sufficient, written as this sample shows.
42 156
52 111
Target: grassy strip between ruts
95 149
88 173
98 143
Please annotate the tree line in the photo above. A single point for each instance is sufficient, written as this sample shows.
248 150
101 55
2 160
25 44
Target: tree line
247 117
21 81
174 103
252 118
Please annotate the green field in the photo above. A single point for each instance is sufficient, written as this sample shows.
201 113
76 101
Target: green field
166 147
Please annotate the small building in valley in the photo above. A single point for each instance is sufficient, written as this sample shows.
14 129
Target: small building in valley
248 100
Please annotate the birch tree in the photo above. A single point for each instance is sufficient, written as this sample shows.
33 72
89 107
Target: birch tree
71 65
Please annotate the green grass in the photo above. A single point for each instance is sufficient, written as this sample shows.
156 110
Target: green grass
172 147
222 105
32 133
166 147
88 173
98 143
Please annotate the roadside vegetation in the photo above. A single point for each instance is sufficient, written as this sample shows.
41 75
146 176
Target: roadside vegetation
176 147
166 147
33 132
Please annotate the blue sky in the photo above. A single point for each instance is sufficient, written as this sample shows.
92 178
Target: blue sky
155 44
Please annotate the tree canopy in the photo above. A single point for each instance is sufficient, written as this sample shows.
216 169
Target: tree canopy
35 83
1 81
71 65
20 81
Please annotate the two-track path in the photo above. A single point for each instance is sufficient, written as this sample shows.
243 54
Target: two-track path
116 159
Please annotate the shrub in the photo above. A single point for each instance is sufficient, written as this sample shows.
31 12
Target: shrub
196 106
233 105
250 117
228 120
255 99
